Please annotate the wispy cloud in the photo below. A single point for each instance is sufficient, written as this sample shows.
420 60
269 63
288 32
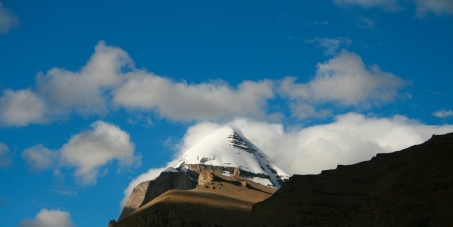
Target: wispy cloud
438 7
330 46
318 23
366 23
8 19
5 160
443 113
389 5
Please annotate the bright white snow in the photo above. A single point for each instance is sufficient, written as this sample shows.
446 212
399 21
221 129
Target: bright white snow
227 148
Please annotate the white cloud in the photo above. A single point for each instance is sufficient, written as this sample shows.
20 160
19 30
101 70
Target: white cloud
85 91
390 5
443 113
109 80
39 157
331 45
437 7
350 139
345 79
92 149
88 151
22 107
5 160
49 218
183 101
8 19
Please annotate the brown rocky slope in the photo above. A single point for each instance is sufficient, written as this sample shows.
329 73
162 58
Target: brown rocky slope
226 201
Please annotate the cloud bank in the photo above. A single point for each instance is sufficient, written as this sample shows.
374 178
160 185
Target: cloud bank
87 151
49 218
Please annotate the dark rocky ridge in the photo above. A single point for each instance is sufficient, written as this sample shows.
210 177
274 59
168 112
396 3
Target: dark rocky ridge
412 187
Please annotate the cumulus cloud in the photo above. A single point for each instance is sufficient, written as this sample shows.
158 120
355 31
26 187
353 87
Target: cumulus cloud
87 151
110 80
344 80
437 7
49 218
330 45
92 149
5 160
183 101
85 91
39 157
20 108
443 113
389 5
8 19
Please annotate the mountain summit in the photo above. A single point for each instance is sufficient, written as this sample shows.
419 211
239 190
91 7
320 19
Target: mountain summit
225 150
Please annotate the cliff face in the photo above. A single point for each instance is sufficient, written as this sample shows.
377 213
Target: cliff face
412 187
148 190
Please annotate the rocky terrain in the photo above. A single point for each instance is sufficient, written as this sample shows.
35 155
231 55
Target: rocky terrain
411 187
217 201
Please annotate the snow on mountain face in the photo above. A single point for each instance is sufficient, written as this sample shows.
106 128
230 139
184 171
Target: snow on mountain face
227 148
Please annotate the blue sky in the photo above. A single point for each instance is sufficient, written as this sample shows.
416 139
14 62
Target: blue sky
99 95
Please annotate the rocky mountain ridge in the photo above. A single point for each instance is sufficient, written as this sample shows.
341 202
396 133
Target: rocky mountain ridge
222 152
411 187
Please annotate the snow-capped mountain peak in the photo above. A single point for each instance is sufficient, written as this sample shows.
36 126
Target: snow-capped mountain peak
227 149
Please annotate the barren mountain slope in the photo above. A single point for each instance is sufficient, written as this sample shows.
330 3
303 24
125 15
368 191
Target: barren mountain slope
225 202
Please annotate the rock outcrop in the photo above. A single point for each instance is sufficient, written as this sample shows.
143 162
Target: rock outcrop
146 191
412 187
205 178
